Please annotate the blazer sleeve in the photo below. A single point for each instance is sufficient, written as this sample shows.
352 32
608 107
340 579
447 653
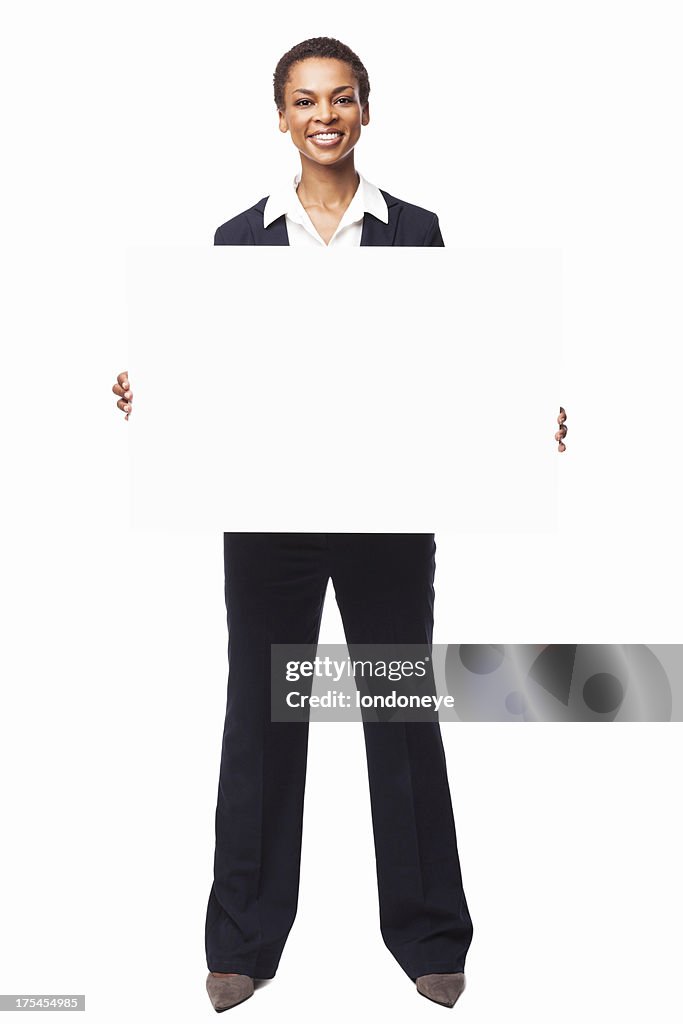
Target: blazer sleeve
434 236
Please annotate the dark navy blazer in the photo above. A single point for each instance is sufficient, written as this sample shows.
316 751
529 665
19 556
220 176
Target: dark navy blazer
408 225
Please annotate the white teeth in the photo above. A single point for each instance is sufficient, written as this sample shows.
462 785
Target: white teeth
326 135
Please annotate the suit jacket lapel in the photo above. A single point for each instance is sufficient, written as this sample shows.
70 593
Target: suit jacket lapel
279 232
375 232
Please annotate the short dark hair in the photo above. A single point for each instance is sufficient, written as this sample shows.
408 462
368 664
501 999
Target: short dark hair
319 46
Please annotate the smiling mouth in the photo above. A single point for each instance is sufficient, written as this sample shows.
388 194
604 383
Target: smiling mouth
326 136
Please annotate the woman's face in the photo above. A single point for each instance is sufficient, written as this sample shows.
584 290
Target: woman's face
321 96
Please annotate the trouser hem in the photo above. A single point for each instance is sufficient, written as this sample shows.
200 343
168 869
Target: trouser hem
224 967
445 967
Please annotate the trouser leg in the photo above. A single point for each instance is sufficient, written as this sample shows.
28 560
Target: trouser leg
384 586
275 588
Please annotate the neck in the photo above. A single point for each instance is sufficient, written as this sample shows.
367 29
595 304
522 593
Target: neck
327 186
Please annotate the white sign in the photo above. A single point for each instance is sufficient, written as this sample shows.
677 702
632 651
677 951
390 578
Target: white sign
372 389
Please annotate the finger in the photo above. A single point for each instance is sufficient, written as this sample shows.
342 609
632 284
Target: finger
123 378
124 405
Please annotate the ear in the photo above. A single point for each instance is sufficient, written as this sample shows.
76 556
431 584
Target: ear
282 120
365 114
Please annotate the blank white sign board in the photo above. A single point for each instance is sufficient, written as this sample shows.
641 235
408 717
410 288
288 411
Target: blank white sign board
369 389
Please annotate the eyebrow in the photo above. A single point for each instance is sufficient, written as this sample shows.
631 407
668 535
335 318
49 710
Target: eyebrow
310 92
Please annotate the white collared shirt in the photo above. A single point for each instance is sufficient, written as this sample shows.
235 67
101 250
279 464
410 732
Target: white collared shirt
300 227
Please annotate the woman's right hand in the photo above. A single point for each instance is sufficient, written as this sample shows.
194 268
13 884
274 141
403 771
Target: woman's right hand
122 388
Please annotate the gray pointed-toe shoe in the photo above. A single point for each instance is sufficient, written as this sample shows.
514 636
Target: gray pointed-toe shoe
442 988
229 991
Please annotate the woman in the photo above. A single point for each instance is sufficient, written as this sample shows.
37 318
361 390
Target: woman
275 587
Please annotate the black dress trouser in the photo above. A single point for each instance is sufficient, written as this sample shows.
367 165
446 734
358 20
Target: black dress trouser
275 587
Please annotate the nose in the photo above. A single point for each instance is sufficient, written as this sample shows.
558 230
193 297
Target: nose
326 115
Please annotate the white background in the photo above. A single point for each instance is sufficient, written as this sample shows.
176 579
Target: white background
525 124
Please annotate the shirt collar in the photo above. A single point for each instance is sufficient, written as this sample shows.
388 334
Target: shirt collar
284 199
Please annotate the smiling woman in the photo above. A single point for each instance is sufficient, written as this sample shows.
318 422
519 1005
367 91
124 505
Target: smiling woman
275 585
321 92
